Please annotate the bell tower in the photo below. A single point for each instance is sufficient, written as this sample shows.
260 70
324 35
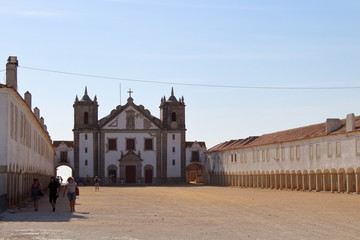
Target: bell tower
172 112
85 136
85 112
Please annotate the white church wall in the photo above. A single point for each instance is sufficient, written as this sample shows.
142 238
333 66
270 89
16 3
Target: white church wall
173 154
86 153
148 156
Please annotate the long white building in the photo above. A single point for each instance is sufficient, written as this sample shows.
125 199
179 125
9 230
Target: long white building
26 151
320 157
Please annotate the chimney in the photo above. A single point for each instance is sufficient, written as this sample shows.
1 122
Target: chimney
350 122
37 113
11 72
27 97
332 124
42 121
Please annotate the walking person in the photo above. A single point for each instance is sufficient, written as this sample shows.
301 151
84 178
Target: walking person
70 188
36 193
97 183
54 190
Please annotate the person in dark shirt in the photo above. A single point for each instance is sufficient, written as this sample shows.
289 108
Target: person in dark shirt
54 189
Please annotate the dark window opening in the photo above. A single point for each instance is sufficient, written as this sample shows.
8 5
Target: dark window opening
173 116
148 144
63 156
173 162
112 144
86 118
173 149
195 156
86 162
86 150
130 144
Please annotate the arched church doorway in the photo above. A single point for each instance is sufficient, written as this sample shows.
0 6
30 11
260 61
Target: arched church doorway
149 174
195 173
112 174
64 172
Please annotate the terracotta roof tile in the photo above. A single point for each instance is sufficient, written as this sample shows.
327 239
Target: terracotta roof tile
296 134
68 143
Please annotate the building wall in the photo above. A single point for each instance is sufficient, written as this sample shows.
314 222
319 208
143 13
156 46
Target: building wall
86 150
173 155
336 154
28 150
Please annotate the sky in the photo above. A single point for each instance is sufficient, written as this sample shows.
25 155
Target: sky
241 66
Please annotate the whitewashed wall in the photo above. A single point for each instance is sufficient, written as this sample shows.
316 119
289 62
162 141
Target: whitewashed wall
86 140
339 151
174 170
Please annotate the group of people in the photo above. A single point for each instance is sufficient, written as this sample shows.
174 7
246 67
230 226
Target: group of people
54 187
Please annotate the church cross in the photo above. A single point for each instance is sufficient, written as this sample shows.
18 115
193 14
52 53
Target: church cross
130 92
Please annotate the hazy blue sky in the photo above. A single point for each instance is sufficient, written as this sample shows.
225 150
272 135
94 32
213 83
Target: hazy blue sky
217 42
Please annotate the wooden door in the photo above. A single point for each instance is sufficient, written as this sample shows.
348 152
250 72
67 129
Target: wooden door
130 174
148 175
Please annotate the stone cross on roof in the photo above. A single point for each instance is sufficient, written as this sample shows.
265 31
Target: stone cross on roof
130 92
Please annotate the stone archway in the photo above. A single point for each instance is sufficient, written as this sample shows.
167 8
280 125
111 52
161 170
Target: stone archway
65 171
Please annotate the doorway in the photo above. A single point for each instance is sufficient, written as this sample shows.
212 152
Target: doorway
130 174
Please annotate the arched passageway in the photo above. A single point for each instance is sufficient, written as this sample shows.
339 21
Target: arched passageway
64 171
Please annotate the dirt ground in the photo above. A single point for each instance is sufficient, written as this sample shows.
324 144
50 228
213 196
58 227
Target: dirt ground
189 212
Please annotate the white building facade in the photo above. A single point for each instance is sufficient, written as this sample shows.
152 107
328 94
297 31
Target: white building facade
320 157
130 146
26 151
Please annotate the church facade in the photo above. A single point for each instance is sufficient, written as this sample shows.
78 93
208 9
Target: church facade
131 146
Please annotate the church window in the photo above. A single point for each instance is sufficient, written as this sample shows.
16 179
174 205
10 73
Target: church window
85 136
267 155
148 144
263 155
86 162
63 156
173 149
277 155
130 144
86 118
86 150
291 153
173 136
173 162
112 144
173 116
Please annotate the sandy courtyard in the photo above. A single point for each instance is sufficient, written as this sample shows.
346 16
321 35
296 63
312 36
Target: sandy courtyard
189 212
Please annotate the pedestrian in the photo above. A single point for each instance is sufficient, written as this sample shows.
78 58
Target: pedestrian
54 190
36 193
70 188
97 183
